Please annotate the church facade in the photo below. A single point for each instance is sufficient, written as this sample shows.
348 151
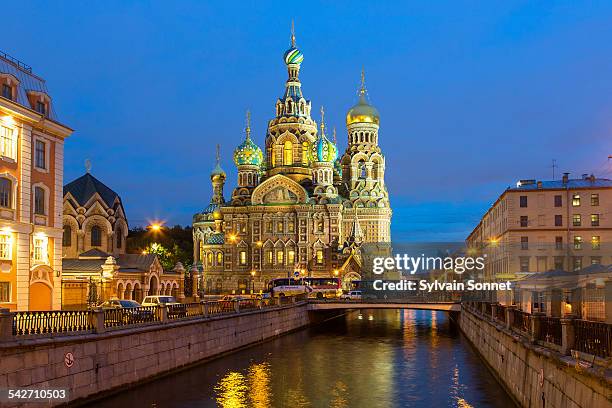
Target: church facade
299 207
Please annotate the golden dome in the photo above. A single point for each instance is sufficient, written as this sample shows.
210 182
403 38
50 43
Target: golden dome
362 112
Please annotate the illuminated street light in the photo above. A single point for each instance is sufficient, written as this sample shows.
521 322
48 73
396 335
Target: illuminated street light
336 272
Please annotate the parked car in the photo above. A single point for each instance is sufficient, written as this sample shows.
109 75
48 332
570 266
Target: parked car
128 312
175 308
352 295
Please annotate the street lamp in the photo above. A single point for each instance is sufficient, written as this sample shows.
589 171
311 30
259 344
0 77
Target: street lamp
253 281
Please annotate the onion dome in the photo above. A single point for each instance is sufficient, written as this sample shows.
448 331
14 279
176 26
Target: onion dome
248 152
362 112
293 55
323 149
217 173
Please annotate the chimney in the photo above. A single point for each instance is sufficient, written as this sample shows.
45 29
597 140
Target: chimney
592 178
539 184
565 178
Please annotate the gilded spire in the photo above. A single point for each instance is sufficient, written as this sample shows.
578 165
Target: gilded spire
362 89
322 121
292 34
247 129
218 154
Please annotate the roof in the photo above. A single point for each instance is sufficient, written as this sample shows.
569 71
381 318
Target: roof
559 184
27 81
127 262
216 238
83 188
94 253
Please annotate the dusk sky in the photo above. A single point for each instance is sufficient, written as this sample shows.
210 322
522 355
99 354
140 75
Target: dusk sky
472 98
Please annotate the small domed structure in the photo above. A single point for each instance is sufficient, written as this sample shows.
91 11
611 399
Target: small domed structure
293 56
323 149
217 173
362 112
248 153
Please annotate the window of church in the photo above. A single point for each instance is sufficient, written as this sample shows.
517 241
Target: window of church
304 153
67 237
280 227
319 257
269 256
291 226
269 227
242 258
96 236
288 153
280 255
209 259
219 258
290 257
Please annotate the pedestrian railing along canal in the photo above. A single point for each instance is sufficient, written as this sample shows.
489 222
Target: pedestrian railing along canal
563 334
32 324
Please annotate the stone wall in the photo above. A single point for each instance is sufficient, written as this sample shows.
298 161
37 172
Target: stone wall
118 358
534 376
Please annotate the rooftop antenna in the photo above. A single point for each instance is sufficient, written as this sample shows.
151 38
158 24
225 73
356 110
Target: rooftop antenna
88 166
554 166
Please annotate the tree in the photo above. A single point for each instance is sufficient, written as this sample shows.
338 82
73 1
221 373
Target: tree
171 245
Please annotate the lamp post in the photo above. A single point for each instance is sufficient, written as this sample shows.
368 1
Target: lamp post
253 281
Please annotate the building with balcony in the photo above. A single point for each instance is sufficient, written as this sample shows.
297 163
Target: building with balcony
31 179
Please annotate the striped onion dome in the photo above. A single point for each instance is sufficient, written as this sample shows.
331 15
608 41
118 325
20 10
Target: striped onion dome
293 56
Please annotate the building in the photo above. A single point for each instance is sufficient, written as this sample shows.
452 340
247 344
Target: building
31 178
297 208
539 226
96 266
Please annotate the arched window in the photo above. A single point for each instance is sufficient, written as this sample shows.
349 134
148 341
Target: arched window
362 169
219 258
288 153
209 259
96 236
6 193
305 153
272 157
119 237
67 237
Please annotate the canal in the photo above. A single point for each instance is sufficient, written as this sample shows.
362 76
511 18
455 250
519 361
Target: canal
383 358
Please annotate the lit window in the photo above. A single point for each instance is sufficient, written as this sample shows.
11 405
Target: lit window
319 257
242 257
280 227
8 143
219 258
67 237
595 220
269 257
290 257
577 242
319 225
6 246
209 259
291 226
280 257
6 193
596 260
595 242
5 292
7 91
288 153
576 200
305 153
40 158
40 249
595 200
96 236
269 227
576 220
39 201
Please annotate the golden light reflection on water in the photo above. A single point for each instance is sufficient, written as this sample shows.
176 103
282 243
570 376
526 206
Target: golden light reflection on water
339 395
260 389
236 390
231 391
455 390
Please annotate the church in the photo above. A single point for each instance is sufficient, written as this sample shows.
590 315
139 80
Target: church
299 207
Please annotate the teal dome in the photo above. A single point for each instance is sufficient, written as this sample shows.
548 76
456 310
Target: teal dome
293 56
248 153
323 150
217 172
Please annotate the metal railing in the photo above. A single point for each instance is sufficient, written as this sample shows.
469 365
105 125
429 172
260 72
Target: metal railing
593 337
500 313
129 316
520 320
51 322
550 329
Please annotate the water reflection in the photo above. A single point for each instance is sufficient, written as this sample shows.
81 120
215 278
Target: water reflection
392 358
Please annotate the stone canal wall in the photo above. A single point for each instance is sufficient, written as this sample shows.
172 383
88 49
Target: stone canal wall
534 376
107 361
